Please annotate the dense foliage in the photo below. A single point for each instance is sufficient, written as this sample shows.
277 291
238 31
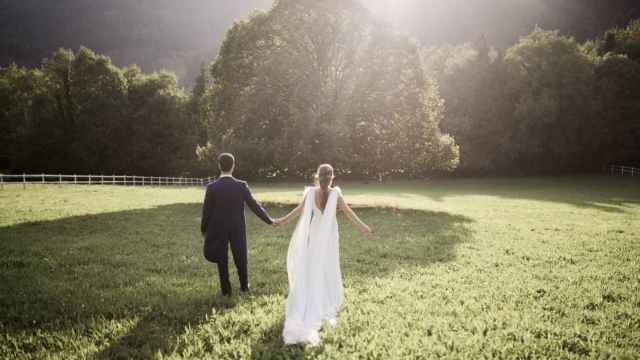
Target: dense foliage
80 113
547 105
312 82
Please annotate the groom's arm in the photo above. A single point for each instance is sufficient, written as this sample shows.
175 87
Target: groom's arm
255 207
207 208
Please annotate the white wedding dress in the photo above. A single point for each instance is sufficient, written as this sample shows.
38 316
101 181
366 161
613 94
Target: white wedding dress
313 265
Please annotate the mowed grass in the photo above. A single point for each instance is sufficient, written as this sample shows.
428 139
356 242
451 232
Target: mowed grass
501 268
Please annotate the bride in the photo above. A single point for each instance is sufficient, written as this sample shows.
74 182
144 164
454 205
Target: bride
313 264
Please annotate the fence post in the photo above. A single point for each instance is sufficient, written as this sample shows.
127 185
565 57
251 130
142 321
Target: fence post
101 179
60 179
24 181
43 178
75 179
1 181
89 179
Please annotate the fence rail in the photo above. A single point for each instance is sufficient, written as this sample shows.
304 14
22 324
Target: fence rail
623 170
126 180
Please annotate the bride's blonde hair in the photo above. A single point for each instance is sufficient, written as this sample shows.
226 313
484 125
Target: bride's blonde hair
324 179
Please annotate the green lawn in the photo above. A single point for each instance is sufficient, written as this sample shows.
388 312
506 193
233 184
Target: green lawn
501 268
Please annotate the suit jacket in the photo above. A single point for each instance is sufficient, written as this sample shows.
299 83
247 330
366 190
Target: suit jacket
223 215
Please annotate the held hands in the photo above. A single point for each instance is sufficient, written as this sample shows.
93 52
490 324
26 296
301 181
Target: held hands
278 222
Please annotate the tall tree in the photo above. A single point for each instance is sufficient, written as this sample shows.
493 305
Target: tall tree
80 113
555 110
476 87
310 82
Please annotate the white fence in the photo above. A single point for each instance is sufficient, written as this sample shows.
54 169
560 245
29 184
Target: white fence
127 180
623 170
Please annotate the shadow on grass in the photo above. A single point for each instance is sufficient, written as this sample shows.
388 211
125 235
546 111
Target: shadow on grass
146 267
82 272
403 240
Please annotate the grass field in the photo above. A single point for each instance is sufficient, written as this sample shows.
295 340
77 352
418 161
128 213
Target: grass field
501 268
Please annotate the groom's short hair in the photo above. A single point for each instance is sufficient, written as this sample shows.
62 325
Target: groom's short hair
225 162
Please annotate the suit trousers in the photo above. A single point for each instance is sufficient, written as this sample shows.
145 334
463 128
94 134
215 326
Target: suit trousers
239 252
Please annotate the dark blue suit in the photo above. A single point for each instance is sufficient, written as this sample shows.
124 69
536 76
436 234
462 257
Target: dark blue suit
223 223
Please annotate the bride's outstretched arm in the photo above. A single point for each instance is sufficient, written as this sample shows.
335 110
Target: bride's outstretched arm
364 228
291 215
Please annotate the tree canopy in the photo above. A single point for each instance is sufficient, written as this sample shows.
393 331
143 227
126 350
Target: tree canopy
80 113
311 82
549 104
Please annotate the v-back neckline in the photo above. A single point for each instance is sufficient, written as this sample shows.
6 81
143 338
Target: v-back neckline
315 202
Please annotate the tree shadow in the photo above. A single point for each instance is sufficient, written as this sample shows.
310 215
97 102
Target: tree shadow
158 330
136 280
136 273
403 240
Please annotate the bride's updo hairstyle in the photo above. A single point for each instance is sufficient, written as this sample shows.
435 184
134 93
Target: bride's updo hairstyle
324 179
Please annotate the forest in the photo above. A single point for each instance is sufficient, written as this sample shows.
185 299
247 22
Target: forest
307 82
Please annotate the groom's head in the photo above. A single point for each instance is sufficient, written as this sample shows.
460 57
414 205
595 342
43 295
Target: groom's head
226 162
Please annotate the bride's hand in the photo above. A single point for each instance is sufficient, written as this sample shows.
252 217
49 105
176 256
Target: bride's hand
366 230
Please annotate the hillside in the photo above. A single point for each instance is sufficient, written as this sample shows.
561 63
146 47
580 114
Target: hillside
180 36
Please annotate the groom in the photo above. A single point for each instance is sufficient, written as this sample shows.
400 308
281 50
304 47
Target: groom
223 222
